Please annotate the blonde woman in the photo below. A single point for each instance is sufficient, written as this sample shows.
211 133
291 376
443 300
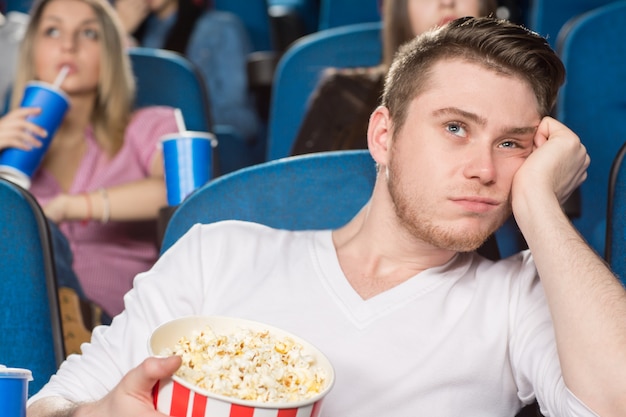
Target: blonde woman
102 179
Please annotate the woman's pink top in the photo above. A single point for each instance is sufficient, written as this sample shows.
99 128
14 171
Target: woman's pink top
108 256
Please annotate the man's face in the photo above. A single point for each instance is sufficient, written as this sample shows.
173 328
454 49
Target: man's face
451 166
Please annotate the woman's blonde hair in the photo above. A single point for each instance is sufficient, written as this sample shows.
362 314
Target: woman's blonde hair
116 86
397 25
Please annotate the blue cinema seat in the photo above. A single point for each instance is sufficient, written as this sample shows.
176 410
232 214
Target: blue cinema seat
299 71
30 321
615 253
593 104
315 191
334 13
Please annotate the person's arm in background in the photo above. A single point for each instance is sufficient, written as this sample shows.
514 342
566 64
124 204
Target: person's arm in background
586 301
135 200
219 47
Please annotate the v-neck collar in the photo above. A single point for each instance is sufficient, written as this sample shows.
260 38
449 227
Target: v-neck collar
362 312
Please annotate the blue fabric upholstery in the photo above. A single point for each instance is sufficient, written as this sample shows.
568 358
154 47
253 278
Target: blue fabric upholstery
616 220
30 323
253 14
334 13
22 6
169 79
547 17
593 104
299 71
314 191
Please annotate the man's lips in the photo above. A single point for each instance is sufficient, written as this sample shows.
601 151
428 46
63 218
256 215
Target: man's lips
476 204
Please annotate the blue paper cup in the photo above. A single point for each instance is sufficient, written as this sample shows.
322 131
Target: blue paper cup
19 165
14 391
187 157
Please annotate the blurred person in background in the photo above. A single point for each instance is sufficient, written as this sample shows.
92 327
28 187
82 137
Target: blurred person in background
340 107
12 28
101 180
215 41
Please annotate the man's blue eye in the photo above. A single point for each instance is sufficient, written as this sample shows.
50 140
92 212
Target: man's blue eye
456 129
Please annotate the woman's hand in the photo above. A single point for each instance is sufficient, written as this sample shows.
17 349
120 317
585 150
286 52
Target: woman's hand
17 132
57 208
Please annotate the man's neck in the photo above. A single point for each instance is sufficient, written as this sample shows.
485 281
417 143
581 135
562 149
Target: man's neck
375 260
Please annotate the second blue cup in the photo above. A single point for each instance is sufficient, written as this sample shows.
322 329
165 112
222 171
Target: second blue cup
187 157
14 391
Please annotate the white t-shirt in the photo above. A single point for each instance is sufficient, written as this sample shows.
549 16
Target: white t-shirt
469 338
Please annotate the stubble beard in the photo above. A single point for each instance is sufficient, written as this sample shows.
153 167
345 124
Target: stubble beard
418 219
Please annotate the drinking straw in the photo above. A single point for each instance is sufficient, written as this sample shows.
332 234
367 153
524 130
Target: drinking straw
62 74
180 122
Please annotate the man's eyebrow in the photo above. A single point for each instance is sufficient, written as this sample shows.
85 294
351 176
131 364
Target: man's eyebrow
458 112
514 130
520 130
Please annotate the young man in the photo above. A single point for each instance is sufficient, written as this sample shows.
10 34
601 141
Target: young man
414 322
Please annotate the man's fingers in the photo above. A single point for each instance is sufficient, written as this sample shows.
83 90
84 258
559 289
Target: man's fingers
143 377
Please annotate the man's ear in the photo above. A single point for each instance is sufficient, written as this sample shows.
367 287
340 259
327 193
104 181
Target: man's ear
379 134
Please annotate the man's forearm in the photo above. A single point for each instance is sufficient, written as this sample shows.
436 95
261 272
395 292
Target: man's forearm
588 306
52 407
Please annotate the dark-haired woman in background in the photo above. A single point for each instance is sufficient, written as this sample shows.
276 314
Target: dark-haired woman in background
215 41
340 107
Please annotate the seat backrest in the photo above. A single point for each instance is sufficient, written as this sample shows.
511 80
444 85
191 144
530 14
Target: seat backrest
299 71
314 191
547 17
22 6
591 101
253 14
169 79
615 252
334 13
30 322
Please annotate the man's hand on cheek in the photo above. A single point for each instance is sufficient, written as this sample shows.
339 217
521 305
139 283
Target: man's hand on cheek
557 165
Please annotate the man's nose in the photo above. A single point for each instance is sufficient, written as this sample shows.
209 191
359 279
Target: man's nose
480 164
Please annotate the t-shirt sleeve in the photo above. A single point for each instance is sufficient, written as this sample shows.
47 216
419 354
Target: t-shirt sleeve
145 130
158 296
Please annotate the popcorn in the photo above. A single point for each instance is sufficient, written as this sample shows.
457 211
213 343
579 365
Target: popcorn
249 365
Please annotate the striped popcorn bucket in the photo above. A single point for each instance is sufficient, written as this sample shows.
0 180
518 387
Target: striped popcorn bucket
176 397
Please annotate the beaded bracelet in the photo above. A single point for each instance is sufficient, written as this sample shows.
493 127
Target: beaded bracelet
87 217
